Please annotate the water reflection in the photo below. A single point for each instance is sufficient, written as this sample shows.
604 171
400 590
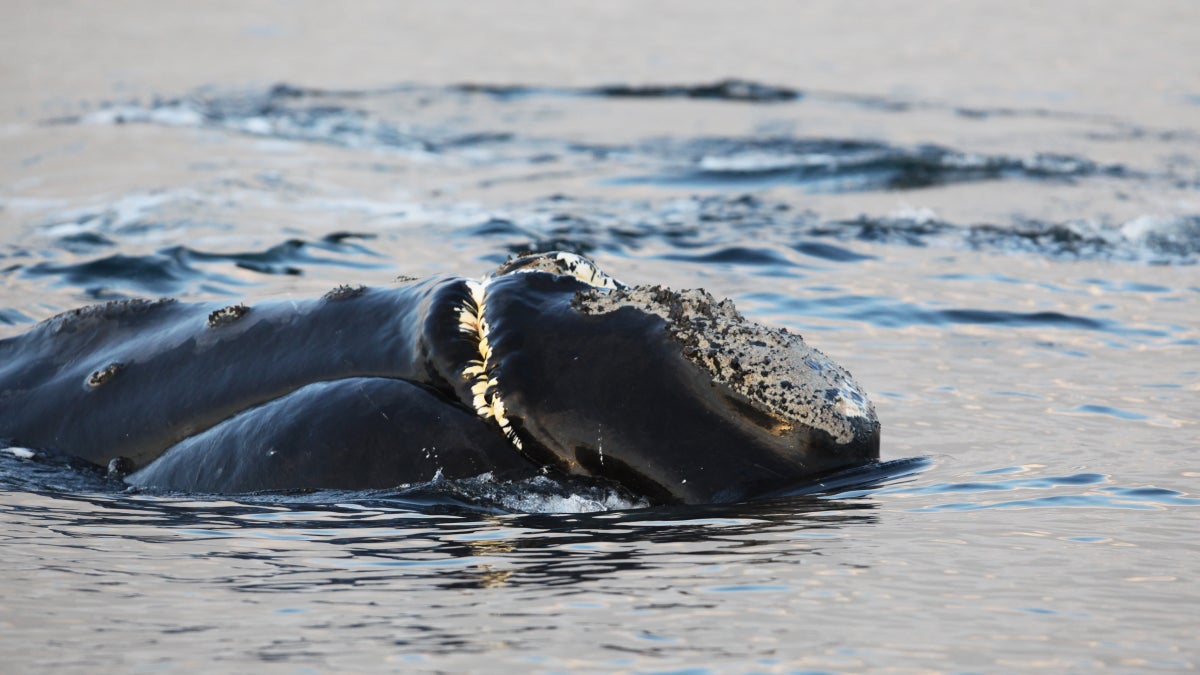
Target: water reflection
308 546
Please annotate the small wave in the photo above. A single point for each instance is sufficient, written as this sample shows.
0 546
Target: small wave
723 90
266 114
290 113
697 226
1156 240
731 89
889 312
1087 490
156 274
741 255
845 165
12 317
176 269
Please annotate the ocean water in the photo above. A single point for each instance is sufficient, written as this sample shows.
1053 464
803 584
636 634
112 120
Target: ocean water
1010 271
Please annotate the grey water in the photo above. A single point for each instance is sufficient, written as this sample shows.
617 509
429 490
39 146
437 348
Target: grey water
994 225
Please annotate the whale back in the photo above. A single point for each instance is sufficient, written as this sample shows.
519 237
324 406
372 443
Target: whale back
130 379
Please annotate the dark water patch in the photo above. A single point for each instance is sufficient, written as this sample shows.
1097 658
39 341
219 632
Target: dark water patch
1019 394
32 471
1155 240
1019 319
155 274
1152 501
1042 483
723 90
731 89
737 255
583 231
1056 320
509 91
559 232
84 242
830 252
1097 492
1107 411
493 227
13 317
1118 286
1173 240
289 257
741 90
887 312
1152 495
844 165
713 221
285 90
626 227
887 230
578 237
993 277
176 269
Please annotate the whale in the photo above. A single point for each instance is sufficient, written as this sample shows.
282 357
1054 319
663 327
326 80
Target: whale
546 365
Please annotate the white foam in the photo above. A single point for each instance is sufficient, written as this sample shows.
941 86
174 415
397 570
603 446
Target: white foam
542 494
21 453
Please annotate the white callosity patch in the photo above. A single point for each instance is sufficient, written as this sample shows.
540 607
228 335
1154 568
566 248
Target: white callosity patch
563 264
770 366
484 388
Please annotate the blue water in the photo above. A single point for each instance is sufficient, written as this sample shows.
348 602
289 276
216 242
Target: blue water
1030 344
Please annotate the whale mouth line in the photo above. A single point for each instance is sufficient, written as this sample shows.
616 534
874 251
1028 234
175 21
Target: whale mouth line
472 321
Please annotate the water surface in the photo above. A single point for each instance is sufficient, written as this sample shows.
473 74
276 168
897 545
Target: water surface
1011 274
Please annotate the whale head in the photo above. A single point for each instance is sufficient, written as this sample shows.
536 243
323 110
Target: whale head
672 394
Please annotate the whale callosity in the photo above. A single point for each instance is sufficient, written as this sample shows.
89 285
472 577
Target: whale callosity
485 389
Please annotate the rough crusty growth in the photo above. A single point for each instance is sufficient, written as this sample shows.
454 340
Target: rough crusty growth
105 374
345 292
227 315
770 366
84 317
